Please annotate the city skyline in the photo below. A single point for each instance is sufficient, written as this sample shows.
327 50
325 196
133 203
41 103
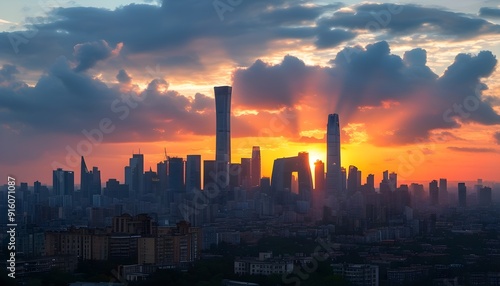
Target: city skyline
416 96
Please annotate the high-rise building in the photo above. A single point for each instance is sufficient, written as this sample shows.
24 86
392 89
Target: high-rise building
319 175
85 179
134 175
443 191
333 171
484 196
434 193
223 132
352 179
256 169
95 187
370 183
281 180
151 182
234 175
209 175
193 173
462 195
393 181
63 182
358 180
246 172
161 170
343 175
176 174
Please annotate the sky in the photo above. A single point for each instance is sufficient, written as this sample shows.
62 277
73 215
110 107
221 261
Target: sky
415 83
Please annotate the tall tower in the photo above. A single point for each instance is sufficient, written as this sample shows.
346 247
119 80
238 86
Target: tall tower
333 173
256 169
223 130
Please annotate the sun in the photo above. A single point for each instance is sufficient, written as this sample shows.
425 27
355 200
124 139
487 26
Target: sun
316 155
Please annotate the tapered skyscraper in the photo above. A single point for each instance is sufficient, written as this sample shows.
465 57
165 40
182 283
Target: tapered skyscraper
223 129
333 172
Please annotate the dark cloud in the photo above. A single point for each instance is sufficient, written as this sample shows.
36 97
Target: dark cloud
123 76
489 12
409 19
8 72
472 149
496 136
188 33
370 85
88 54
328 38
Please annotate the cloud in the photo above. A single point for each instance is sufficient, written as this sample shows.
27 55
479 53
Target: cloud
472 149
496 136
88 54
489 12
399 100
8 72
123 76
411 19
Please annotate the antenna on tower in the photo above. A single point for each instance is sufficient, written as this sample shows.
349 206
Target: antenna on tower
165 150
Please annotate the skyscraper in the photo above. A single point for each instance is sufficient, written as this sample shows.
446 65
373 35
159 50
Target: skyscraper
443 191
176 174
256 166
319 175
193 173
223 131
434 193
333 173
462 195
63 182
352 179
246 172
370 183
85 179
134 175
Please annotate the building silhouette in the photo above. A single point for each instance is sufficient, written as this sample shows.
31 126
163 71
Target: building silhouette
319 175
256 166
223 132
134 175
333 171
281 180
246 172
175 175
434 193
462 195
193 173
63 182
352 179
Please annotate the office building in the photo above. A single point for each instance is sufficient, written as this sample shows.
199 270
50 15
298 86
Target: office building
319 175
193 173
462 195
63 182
223 132
333 171
246 172
256 166
134 175
434 193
